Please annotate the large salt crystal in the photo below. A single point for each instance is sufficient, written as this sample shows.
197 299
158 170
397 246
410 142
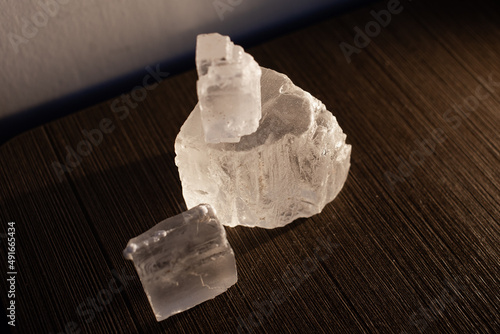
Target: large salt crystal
228 89
292 166
183 261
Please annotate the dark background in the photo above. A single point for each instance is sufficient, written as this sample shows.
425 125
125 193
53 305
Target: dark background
285 22
410 245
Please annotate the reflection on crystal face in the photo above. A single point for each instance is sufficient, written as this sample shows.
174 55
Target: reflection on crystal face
228 89
292 166
183 261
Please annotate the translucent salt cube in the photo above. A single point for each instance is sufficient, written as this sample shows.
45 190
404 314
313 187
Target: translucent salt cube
183 261
229 90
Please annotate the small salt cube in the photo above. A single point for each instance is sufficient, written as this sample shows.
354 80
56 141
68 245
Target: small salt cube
183 261
229 90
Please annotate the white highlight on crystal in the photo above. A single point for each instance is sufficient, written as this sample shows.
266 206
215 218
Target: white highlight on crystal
183 261
228 89
292 166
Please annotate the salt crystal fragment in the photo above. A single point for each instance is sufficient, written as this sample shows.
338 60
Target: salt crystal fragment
183 261
228 88
292 166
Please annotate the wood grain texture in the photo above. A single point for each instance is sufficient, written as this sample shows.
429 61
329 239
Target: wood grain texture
411 244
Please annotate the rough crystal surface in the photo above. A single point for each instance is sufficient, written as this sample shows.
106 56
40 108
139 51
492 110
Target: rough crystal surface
292 166
228 89
183 261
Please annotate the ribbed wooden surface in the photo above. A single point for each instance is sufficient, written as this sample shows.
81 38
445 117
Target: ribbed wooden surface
411 244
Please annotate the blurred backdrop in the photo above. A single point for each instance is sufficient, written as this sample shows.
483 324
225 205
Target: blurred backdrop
60 56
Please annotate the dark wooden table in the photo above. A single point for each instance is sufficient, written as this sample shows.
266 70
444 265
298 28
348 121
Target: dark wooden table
411 244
